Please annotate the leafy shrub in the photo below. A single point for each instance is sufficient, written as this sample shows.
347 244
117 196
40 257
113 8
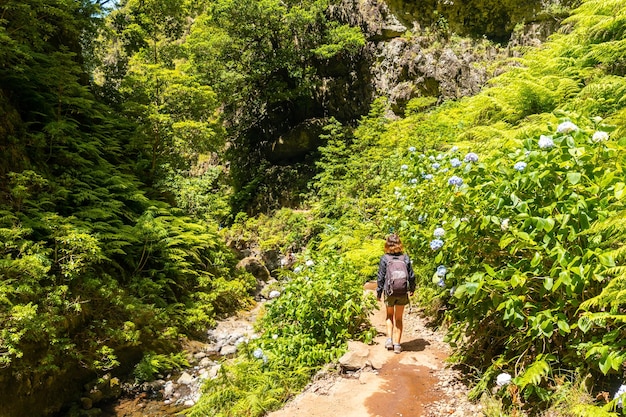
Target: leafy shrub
153 364
514 236
321 307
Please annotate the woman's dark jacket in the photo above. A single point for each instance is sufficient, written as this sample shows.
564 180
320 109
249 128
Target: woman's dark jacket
382 271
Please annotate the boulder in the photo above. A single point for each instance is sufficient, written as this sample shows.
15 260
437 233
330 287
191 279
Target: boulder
185 379
356 358
255 267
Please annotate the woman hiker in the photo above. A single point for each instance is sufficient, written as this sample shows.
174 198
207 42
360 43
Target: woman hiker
395 267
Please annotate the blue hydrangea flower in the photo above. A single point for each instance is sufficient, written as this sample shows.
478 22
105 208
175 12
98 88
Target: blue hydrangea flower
404 167
413 180
545 142
454 149
422 218
441 271
258 353
443 171
436 244
600 136
439 157
566 127
436 166
439 232
471 157
427 176
455 162
411 148
520 166
454 180
441 283
431 158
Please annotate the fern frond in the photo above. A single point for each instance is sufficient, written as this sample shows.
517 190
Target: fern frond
612 295
534 373
589 410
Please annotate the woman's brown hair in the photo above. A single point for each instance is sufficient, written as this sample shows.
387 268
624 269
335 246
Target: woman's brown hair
393 244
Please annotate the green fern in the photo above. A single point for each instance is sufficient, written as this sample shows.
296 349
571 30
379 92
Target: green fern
534 374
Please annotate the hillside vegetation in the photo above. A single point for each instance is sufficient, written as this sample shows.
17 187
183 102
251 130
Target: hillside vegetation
134 139
512 203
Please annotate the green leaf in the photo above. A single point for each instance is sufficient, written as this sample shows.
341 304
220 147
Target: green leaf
548 282
619 190
607 260
584 324
563 326
536 259
518 280
573 177
606 363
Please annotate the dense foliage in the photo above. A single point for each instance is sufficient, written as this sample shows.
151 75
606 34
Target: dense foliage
95 267
511 201
322 306
128 143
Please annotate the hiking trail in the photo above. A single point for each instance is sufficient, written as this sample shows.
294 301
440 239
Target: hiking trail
415 383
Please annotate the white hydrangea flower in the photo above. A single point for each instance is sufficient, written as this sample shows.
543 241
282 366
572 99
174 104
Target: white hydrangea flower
504 225
439 232
600 136
309 262
545 142
566 127
404 167
412 149
503 379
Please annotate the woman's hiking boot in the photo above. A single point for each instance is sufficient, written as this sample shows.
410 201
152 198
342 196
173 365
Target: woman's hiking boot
397 348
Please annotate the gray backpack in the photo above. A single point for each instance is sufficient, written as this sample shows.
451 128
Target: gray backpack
397 275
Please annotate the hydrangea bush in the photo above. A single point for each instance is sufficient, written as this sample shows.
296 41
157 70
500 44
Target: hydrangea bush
513 251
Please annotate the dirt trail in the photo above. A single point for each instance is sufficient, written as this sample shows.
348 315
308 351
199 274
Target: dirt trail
414 383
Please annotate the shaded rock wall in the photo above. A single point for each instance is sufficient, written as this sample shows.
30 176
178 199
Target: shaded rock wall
412 54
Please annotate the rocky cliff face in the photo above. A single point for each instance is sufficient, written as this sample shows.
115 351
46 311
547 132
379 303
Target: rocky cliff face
412 52
436 50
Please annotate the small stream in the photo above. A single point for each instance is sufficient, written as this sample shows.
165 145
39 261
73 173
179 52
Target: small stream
175 393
